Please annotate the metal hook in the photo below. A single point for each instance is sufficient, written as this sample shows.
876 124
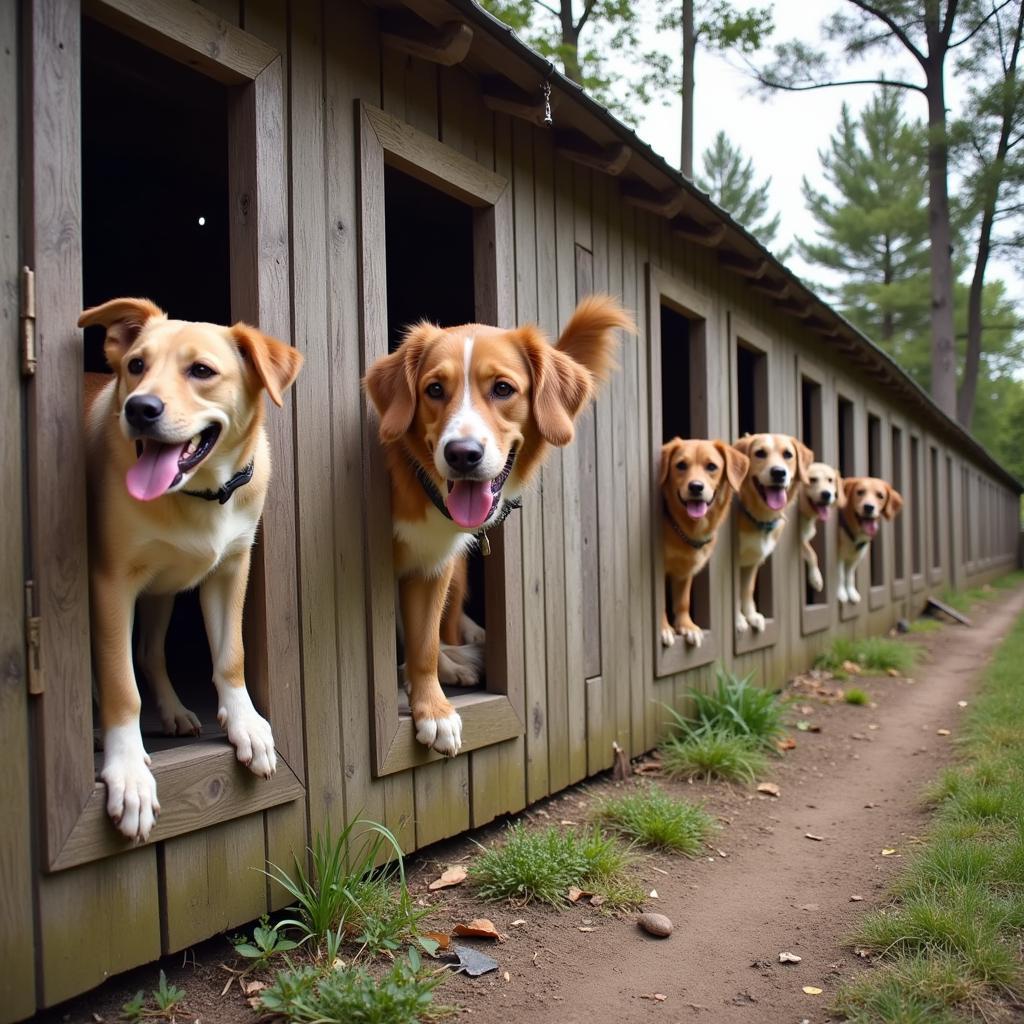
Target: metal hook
546 88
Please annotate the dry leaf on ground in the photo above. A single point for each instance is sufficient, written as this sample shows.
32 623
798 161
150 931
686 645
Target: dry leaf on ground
786 744
478 928
942 732
851 667
812 990
768 787
518 922
442 939
888 853
811 835
454 875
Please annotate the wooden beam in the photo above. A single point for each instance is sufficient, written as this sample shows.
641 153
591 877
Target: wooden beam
446 44
794 307
501 96
822 326
580 150
709 235
774 289
754 269
643 197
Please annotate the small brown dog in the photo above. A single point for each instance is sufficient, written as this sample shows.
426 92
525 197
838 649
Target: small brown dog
698 479
823 490
778 463
869 500
178 467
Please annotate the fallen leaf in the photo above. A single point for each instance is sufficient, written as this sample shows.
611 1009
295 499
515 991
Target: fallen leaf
454 875
472 962
811 835
566 821
786 744
585 928
768 787
442 939
654 894
478 928
251 987
942 732
789 958
596 901
659 997
518 922
894 673
575 895
812 990
888 853
852 667
856 899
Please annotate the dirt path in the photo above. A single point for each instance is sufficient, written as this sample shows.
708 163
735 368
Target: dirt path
855 786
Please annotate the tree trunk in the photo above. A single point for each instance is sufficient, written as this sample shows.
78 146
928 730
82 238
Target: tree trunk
941 237
570 43
888 324
689 54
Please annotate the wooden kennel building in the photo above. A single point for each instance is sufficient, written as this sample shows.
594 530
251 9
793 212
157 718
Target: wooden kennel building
332 170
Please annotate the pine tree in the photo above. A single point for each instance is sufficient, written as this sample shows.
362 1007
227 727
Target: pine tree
873 225
729 178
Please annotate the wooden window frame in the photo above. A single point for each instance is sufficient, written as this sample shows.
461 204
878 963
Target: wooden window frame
490 715
917 502
932 472
702 313
899 584
744 334
878 593
200 784
817 617
849 611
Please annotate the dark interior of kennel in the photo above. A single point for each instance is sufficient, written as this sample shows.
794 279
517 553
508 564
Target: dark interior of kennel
155 224
899 568
917 510
877 549
813 436
679 401
844 434
430 276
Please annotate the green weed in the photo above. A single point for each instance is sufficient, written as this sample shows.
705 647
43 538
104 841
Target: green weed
653 818
856 696
871 653
711 755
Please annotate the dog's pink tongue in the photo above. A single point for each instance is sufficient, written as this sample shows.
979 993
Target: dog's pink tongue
155 471
696 509
469 502
775 498
823 511
869 526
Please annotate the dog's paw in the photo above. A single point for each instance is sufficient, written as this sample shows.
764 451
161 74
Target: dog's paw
756 620
460 666
668 636
693 635
177 720
853 594
438 725
248 731
131 788
741 623
814 580
472 633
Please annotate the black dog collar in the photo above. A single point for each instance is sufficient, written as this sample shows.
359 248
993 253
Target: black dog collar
760 523
223 494
858 544
678 530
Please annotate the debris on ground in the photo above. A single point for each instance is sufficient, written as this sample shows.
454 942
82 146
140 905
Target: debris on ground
657 925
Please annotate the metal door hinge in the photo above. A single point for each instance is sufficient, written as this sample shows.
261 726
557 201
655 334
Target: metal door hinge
28 322
33 670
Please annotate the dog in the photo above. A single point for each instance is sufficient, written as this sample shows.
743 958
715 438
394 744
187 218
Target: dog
778 463
697 479
178 464
868 501
823 490
467 415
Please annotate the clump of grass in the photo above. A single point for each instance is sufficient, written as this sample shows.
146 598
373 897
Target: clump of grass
543 864
871 653
711 755
856 696
925 624
653 818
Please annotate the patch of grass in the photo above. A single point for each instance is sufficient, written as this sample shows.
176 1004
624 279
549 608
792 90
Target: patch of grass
857 696
543 864
735 707
711 755
872 653
925 624
653 818
949 945
166 998
325 996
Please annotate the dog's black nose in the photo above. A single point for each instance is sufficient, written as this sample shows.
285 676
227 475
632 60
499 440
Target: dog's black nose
869 510
826 496
463 455
696 487
779 473
143 410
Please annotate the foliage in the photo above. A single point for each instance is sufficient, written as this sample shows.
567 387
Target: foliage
652 818
167 998
543 864
402 996
267 941
856 696
730 181
871 653
948 945
711 755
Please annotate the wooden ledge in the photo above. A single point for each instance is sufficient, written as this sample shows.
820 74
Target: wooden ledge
579 149
447 44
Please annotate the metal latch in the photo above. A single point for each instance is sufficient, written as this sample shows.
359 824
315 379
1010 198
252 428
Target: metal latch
33 670
28 322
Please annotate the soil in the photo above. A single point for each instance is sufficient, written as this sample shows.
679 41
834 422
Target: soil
763 887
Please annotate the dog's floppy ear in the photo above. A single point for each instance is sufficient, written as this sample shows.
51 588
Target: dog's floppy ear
589 339
123 319
848 485
561 386
391 382
893 503
743 445
804 458
275 364
736 463
666 459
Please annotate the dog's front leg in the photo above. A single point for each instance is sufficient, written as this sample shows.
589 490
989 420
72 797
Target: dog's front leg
422 602
222 596
749 614
691 632
154 611
814 580
131 788
842 594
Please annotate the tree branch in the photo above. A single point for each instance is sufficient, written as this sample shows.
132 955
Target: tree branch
896 30
550 10
981 24
588 7
810 86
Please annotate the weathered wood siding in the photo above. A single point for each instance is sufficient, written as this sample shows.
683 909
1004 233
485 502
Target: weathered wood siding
583 648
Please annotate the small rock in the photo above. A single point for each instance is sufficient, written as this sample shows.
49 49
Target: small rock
655 924
789 958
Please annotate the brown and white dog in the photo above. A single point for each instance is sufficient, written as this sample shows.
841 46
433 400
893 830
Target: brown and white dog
178 467
698 479
823 490
869 500
467 415
778 463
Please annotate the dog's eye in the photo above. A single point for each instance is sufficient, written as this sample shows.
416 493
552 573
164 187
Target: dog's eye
201 371
861 493
502 389
681 465
136 366
434 390
760 453
711 467
787 455
814 479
